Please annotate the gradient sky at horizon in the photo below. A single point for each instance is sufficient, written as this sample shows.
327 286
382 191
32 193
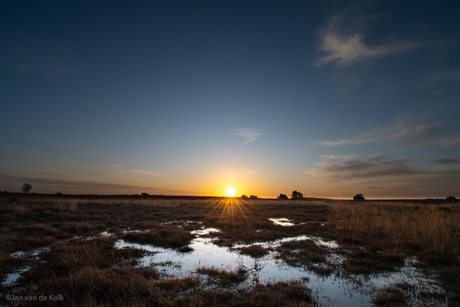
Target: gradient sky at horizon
329 98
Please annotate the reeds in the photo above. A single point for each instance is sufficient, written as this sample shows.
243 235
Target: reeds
430 231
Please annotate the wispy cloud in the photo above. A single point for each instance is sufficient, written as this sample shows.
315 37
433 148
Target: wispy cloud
446 161
376 166
345 47
249 134
450 142
86 186
448 74
344 157
397 132
249 172
132 170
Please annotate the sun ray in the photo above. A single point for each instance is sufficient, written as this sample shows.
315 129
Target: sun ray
233 212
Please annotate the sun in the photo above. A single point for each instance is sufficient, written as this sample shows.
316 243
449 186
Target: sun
230 192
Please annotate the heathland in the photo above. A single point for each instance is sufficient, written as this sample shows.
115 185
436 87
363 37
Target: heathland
62 250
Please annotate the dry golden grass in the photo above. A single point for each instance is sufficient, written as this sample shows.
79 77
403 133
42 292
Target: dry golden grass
224 277
375 236
431 231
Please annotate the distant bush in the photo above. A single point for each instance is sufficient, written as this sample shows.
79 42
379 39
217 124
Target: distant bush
58 193
282 196
253 197
358 197
296 195
451 198
144 194
244 196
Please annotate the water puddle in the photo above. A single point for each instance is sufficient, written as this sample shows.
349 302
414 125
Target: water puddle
329 290
11 279
277 243
204 231
332 290
282 222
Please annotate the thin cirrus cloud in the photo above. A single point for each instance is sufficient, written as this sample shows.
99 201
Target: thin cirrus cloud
396 132
249 134
446 161
132 170
375 166
345 48
344 157
249 172
450 142
86 185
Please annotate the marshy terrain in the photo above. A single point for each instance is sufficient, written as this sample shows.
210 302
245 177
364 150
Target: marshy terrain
58 250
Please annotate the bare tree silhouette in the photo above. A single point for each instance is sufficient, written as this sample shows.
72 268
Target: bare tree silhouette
26 188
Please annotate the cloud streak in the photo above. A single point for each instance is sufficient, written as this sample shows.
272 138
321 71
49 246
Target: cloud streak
446 161
132 170
397 132
344 157
346 47
450 142
87 185
376 166
249 134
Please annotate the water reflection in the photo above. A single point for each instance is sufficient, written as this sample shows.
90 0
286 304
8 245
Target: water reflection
332 290
282 222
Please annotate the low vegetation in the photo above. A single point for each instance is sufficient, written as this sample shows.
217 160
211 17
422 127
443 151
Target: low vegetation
88 270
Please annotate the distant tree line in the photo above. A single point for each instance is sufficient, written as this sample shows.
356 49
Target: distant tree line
26 188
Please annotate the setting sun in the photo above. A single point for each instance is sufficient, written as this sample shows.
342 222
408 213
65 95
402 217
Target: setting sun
230 192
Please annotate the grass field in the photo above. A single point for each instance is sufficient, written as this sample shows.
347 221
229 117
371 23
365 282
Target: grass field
88 269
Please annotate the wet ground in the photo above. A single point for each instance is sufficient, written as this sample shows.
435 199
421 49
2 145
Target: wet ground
200 251
333 288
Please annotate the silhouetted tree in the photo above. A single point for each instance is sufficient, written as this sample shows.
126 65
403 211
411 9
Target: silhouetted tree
58 193
358 197
282 196
296 195
253 197
244 196
451 198
144 194
26 188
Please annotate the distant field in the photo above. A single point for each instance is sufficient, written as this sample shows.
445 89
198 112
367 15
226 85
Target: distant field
74 249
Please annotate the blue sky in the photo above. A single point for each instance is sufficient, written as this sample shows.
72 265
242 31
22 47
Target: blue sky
330 98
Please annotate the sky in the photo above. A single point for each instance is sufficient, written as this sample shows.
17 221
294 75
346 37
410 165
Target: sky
329 98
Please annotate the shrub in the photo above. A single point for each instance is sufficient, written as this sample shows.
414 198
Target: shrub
296 195
359 196
282 196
